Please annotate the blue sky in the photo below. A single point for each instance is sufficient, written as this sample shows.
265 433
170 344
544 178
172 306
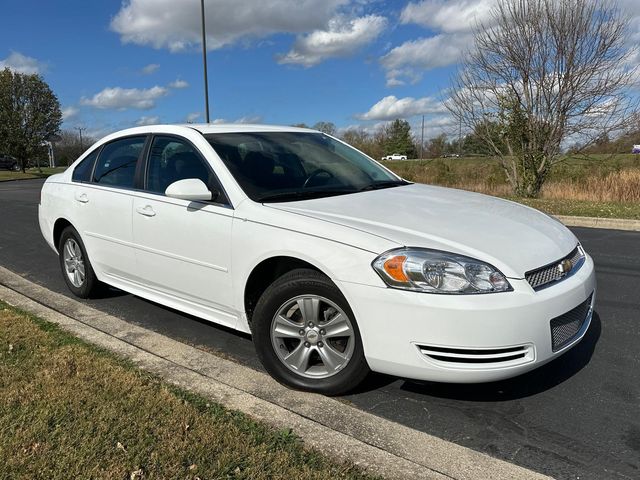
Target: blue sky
116 64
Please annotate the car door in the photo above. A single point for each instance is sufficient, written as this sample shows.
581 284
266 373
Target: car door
182 247
102 202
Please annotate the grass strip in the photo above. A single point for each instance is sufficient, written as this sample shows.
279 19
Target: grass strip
583 208
71 410
44 172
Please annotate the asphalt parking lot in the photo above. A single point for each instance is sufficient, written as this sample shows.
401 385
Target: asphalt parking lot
578 417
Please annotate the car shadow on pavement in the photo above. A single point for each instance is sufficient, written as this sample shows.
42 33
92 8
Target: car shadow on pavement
526 385
106 291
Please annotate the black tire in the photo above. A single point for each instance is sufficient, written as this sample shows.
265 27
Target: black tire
90 284
288 287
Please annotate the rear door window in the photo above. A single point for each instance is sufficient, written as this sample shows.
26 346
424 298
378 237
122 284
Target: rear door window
116 166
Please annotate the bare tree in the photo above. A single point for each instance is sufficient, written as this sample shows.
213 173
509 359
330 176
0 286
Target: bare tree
68 146
543 73
326 127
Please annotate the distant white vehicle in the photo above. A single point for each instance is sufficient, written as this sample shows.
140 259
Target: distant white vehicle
395 156
636 149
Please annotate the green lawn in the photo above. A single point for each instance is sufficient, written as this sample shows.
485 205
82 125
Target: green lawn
30 173
71 410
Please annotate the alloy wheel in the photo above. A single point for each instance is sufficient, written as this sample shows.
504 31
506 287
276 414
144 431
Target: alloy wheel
73 262
312 336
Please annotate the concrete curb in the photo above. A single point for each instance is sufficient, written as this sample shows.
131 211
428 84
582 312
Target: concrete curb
597 222
332 427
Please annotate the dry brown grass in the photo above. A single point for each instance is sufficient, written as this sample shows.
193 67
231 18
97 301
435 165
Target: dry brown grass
594 182
69 410
621 186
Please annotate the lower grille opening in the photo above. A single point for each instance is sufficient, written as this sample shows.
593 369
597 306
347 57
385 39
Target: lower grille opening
476 355
566 327
478 359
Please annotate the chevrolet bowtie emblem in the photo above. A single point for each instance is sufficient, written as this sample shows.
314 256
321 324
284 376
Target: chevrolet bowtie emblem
565 266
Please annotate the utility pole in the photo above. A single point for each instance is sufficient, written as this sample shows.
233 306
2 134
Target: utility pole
422 138
80 130
460 138
204 61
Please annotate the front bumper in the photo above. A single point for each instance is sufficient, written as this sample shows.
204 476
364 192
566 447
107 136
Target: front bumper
467 338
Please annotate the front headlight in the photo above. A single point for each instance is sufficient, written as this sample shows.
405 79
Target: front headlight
433 271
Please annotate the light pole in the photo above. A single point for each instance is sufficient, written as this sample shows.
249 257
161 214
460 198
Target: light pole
204 61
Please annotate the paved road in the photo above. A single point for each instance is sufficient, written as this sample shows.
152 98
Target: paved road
578 417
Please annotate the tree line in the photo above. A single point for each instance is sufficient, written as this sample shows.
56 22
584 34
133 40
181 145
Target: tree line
541 77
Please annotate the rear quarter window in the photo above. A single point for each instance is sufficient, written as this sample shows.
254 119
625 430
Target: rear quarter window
82 172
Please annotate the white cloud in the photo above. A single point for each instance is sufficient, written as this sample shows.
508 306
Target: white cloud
448 16
178 84
124 98
450 22
176 24
391 107
148 120
246 119
20 63
149 69
250 119
409 60
192 117
69 112
343 37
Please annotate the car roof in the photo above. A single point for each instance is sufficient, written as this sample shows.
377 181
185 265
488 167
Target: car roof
242 127
203 128
219 128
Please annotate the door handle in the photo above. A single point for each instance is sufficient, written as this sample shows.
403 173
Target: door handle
147 211
82 197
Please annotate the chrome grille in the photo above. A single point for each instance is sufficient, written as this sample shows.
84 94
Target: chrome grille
545 276
565 327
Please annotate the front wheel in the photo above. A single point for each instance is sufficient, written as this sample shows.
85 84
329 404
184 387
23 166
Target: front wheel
306 335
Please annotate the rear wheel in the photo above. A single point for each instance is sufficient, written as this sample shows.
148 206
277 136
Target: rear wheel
306 336
76 267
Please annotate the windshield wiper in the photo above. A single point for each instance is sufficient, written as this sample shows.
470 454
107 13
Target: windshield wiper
303 195
385 184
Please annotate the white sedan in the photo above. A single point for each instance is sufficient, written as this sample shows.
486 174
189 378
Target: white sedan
334 264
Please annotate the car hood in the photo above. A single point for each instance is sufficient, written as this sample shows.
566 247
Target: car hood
510 236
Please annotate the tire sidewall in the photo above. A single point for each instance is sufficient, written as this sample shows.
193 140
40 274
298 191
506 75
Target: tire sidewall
300 283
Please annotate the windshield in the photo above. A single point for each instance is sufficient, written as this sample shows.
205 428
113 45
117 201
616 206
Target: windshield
285 166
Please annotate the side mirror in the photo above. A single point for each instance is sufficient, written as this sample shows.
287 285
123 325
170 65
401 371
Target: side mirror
189 189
